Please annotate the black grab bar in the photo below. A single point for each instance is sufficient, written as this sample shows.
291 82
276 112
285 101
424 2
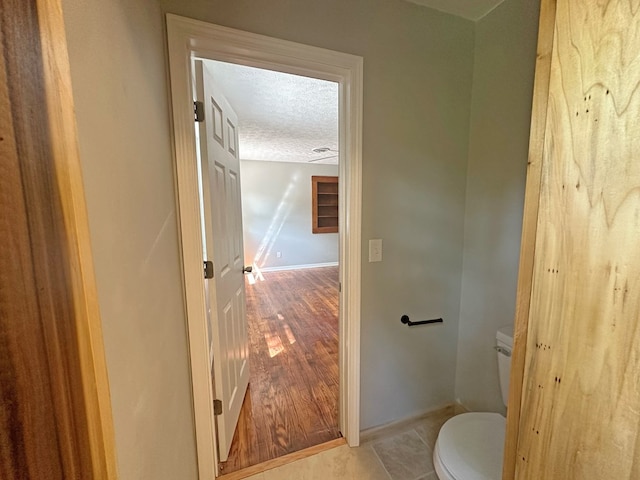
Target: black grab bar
405 319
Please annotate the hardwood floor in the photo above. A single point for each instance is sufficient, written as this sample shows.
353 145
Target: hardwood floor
292 400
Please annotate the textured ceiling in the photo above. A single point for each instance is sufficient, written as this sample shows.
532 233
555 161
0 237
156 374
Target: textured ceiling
281 117
469 9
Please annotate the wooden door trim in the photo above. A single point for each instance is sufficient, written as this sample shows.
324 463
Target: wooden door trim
59 235
188 38
62 123
529 229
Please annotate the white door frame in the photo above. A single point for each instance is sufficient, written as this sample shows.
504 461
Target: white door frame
189 38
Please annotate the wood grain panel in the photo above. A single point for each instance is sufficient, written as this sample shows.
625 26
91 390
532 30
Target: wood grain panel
580 415
292 400
529 229
55 410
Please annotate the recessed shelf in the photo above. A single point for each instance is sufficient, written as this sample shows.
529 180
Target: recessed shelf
324 200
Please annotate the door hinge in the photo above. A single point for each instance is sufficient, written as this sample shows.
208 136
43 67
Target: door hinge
208 269
217 407
339 286
198 111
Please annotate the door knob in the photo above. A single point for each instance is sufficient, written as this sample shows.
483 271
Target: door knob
248 269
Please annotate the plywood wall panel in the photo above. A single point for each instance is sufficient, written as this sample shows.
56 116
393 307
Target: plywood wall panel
580 410
529 229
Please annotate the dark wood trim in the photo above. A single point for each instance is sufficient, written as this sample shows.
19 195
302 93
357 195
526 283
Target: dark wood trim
55 420
529 230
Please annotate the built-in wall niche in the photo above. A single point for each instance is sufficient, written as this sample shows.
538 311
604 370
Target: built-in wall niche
324 202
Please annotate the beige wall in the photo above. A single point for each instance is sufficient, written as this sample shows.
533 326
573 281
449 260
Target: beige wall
118 74
276 215
498 146
417 86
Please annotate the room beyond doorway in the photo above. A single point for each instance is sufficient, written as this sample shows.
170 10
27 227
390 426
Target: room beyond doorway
292 401
215 42
288 136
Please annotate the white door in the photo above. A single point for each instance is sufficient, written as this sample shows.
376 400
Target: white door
222 224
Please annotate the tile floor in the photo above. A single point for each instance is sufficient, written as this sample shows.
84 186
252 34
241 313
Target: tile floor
401 452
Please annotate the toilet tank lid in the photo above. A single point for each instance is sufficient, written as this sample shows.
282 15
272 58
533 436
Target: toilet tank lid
505 335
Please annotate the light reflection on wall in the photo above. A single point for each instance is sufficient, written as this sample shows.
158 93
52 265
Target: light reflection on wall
279 218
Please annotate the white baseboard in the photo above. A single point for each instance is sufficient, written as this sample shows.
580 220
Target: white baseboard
298 267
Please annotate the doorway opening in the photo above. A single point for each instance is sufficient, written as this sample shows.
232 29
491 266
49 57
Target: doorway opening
288 168
292 399
189 39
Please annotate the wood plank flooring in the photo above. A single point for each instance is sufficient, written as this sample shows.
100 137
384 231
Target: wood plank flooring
292 400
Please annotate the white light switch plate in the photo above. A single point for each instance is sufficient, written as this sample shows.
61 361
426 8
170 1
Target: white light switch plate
375 250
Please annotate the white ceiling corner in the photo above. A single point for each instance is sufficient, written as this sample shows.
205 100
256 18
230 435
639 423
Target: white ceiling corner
281 117
469 9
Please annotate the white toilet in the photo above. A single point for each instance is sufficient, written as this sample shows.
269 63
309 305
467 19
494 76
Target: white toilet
470 445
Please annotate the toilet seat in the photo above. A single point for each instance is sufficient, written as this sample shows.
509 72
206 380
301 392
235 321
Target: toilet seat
470 447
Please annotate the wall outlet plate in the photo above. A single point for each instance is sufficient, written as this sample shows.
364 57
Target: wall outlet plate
375 250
